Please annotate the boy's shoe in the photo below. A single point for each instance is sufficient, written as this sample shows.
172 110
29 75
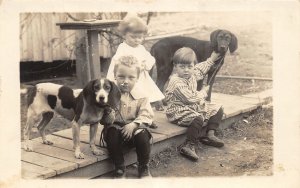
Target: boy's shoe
153 126
144 171
212 140
120 173
188 150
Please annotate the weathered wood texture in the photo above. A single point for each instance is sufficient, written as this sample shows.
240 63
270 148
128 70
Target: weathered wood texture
88 66
58 161
42 40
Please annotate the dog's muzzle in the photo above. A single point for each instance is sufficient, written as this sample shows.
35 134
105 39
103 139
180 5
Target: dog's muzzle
101 99
223 49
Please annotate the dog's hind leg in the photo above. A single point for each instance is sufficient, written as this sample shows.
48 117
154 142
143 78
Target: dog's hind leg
46 118
76 139
31 120
93 132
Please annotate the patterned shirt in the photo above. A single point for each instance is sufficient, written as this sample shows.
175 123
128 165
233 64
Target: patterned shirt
134 110
185 103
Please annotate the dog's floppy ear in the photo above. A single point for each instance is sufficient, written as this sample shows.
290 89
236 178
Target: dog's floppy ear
213 39
233 45
114 95
88 92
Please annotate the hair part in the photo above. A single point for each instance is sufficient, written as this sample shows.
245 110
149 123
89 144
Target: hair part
128 61
184 56
134 24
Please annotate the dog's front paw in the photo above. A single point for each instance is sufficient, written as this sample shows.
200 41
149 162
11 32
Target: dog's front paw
79 154
47 142
28 147
97 151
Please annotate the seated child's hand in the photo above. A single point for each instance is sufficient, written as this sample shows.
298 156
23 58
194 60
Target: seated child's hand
128 129
215 56
206 88
204 92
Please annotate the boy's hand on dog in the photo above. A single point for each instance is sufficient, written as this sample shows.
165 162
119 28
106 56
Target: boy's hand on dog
128 129
108 117
215 56
206 88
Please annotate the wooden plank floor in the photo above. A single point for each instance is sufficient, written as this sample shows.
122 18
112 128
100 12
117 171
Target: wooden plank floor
48 161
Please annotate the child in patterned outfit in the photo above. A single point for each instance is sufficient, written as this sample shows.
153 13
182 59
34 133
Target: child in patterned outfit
187 106
131 119
133 30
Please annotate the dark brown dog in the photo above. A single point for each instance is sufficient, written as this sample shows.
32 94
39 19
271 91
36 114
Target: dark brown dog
163 51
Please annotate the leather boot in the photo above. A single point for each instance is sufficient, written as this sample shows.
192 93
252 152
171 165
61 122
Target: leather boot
212 140
144 171
188 150
120 172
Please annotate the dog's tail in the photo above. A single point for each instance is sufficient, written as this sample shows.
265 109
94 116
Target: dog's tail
24 91
30 91
25 88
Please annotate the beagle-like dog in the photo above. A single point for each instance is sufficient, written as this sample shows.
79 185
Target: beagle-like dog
92 105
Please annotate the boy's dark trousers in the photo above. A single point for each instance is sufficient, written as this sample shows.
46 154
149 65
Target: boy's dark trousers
116 144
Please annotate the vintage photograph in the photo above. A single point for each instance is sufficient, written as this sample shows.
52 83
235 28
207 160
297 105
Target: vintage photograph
109 95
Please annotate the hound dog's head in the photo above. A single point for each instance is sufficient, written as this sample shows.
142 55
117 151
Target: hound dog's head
221 40
102 92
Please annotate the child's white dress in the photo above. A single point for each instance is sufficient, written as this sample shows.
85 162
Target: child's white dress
145 86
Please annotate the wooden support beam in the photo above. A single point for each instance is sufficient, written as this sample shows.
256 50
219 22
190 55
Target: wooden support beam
93 54
82 65
87 51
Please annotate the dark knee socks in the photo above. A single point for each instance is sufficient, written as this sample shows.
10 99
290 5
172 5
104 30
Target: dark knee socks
115 143
215 120
142 145
194 130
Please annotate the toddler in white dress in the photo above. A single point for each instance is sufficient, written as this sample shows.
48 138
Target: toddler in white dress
133 30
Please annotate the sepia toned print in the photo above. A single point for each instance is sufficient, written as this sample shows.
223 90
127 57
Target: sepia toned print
71 49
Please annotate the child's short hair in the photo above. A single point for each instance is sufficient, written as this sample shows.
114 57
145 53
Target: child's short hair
184 56
129 61
132 23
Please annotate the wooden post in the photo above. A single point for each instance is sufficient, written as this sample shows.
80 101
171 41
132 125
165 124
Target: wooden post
81 49
94 57
87 48
82 62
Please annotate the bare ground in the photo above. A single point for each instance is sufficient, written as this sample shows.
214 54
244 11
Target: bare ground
247 151
249 146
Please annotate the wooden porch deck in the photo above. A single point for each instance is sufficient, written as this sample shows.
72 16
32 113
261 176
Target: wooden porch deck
58 161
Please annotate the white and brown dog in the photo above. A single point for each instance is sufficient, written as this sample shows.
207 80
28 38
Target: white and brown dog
88 106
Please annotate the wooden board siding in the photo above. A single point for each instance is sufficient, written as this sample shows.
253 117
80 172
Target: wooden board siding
42 40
